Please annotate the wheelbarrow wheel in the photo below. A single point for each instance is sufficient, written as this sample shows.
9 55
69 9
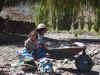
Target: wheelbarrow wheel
84 63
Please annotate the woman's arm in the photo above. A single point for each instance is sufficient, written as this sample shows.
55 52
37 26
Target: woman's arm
27 44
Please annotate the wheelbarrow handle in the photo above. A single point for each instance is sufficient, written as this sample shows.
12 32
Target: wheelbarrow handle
84 52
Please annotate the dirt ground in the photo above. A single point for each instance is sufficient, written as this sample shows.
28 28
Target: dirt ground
9 45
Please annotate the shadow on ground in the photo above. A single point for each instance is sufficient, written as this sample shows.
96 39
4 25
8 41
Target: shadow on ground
17 39
9 39
76 72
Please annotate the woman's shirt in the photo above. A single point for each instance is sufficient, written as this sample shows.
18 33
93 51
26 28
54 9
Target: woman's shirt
31 44
41 39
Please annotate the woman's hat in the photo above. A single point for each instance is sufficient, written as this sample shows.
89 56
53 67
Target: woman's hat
40 26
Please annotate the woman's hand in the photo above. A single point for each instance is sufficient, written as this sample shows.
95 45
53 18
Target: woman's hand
43 45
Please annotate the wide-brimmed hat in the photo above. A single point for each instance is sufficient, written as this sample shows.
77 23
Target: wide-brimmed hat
40 26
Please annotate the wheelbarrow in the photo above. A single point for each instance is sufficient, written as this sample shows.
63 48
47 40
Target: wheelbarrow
83 62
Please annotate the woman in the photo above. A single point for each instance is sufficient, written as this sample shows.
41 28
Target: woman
41 30
30 47
43 62
35 45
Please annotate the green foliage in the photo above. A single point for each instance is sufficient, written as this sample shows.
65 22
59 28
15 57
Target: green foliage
80 32
64 14
58 12
97 22
41 13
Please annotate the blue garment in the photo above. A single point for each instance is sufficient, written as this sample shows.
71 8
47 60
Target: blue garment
45 65
41 50
40 39
24 54
41 53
